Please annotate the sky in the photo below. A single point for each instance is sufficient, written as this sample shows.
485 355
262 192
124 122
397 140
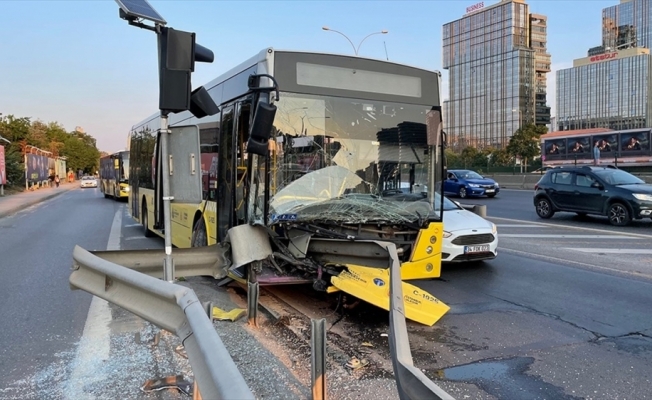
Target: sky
77 63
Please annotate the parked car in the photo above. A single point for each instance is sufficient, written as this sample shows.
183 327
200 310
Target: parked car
467 236
584 190
465 183
88 181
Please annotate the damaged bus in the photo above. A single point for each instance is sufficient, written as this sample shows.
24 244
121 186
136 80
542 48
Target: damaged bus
354 154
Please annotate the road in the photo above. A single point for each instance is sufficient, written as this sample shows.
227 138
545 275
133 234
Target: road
561 316
63 344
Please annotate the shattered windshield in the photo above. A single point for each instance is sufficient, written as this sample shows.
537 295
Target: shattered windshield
343 159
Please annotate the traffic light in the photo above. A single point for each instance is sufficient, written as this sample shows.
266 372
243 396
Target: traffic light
178 53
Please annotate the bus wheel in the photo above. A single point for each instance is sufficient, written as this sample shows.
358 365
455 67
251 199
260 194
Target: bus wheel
199 235
145 219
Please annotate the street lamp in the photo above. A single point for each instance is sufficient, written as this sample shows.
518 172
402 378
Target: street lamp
347 38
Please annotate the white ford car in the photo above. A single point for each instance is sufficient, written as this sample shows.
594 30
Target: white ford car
467 236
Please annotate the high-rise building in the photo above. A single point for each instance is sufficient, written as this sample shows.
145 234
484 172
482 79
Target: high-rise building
611 88
497 63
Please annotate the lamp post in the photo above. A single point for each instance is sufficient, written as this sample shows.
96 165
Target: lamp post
347 38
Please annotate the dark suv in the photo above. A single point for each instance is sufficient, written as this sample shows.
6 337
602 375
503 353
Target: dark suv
607 191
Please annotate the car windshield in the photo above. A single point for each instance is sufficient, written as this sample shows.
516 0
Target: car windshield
88 178
468 175
618 177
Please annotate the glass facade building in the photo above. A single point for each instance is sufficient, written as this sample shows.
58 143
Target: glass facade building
611 87
497 63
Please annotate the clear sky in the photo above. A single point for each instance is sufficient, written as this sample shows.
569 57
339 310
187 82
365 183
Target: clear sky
78 63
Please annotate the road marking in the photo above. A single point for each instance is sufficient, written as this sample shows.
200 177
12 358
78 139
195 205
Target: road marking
581 228
563 261
95 342
562 236
613 251
132 225
136 238
518 226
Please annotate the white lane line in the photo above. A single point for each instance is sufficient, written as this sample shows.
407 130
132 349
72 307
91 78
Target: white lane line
579 228
562 236
519 226
95 342
132 225
613 251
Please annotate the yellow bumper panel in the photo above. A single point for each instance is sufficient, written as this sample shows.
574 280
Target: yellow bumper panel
372 286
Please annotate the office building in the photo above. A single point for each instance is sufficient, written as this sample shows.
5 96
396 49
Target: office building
610 88
497 63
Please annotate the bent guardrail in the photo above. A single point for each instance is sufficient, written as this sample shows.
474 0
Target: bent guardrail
172 307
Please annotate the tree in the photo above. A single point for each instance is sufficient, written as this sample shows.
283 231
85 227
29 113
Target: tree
525 142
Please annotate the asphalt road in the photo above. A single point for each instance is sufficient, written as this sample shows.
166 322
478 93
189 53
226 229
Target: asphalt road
62 344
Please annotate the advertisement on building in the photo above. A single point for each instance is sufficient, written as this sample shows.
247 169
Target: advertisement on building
579 147
606 143
3 169
634 142
555 148
36 167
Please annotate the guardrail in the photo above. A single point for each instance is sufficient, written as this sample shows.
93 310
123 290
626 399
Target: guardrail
172 307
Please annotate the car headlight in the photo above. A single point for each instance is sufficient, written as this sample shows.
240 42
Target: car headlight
474 185
447 234
642 196
494 229
496 185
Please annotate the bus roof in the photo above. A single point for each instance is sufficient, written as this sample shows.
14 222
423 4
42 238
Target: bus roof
262 56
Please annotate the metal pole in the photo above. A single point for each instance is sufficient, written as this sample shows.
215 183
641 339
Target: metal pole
318 364
168 263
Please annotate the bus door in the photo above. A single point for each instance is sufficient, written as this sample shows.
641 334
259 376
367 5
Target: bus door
226 170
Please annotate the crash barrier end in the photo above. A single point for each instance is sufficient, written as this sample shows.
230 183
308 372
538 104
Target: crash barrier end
172 307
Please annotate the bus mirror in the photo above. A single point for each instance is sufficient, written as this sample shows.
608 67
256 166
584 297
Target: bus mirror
201 103
433 126
261 128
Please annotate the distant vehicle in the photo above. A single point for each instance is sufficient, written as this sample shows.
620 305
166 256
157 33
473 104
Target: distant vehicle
541 170
607 191
467 236
465 183
88 181
114 175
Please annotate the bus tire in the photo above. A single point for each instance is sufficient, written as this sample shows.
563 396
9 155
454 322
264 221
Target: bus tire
199 235
145 219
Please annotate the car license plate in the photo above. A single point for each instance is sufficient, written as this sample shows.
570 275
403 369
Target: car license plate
489 191
476 249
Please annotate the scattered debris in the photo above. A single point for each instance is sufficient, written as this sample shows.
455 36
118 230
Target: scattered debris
355 363
180 350
169 382
384 335
367 344
232 315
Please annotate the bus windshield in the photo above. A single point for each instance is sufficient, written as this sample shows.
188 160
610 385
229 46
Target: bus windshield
352 160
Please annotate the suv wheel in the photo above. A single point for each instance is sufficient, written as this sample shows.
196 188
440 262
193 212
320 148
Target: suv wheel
618 214
544 208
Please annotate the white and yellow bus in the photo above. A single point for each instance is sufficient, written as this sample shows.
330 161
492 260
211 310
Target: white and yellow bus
352 156
114 175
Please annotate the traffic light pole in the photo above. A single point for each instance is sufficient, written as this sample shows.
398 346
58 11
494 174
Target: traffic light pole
168 263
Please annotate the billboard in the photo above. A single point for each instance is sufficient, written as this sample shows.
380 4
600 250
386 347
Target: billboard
3 170
579 147
606 143
36 167
634 143
554 149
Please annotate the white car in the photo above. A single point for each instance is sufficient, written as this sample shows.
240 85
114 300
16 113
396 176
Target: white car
467 236
88 181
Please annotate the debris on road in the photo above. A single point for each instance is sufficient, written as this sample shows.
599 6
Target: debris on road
169 382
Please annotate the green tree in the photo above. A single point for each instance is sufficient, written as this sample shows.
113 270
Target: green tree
525 142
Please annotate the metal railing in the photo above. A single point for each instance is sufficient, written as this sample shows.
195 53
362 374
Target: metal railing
172 307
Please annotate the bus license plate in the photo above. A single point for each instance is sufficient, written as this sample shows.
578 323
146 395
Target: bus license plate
476 249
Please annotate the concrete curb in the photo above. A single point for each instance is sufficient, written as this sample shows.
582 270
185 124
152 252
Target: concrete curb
28 203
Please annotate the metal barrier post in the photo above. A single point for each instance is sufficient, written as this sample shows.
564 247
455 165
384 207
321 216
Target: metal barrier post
318 358
252 295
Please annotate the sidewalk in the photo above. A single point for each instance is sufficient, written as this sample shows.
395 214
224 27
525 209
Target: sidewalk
10 204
